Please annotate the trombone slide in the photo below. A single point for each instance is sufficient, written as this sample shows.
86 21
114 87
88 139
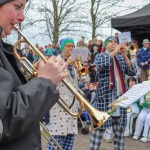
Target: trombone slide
47 135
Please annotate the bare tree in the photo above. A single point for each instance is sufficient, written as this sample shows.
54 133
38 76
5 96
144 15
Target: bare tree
21 26
27 11
59 18
102 11
49 20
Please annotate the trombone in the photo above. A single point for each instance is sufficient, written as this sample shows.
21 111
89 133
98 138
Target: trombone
97 117
46 134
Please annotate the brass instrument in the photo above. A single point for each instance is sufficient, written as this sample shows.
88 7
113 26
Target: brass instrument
133 48
32 72
46 134
130 48
124 48
82 71
129 109
98 118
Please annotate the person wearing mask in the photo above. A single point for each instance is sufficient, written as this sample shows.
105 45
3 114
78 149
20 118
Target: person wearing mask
23 104
111 70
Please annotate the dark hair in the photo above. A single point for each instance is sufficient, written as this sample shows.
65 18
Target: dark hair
131 79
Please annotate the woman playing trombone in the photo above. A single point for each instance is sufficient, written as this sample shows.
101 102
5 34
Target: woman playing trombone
22 104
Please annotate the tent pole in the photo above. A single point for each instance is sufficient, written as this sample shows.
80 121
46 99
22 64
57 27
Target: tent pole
111 31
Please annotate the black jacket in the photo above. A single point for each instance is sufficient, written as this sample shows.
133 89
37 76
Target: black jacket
22 105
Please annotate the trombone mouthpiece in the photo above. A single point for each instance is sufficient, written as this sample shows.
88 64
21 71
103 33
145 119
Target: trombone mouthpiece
16 26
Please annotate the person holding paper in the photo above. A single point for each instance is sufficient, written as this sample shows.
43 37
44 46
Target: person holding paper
62 125
111 70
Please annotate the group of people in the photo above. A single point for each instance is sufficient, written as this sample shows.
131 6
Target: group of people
138 112
140 109
24 103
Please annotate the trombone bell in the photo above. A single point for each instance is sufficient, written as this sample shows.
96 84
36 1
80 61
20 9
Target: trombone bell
133 48
98 118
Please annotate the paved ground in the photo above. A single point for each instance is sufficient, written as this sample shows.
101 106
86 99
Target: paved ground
82 143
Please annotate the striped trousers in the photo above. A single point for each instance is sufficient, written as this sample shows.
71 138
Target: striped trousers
118 131
66 142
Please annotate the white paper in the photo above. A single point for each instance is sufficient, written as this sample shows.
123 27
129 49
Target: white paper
134 94
83 52
124 37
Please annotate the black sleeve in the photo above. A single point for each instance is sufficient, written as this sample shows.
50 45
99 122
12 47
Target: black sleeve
22 107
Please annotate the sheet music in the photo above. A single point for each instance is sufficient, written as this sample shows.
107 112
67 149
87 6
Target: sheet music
80 51
124 37
134 94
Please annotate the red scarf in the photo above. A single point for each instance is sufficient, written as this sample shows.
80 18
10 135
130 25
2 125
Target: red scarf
111 84
111 76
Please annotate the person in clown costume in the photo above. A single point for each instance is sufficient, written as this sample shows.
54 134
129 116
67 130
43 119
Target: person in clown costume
62 126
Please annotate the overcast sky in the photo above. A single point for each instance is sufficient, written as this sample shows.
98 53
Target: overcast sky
107 31
138 3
